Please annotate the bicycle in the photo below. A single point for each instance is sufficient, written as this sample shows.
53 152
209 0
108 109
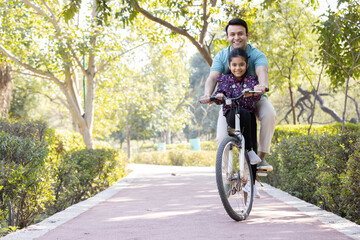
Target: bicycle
234 175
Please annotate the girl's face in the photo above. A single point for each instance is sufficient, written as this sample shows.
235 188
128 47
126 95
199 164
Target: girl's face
238 66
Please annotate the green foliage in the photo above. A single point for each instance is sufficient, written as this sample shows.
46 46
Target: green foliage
82 174
179 156
286 131
339 43
24 178
157 158
192 158
204 145
43 171
36 130
321 168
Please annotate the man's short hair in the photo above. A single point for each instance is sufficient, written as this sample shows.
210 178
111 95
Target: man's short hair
236 21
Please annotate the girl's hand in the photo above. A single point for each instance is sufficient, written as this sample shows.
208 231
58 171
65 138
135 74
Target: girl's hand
247 94
219 96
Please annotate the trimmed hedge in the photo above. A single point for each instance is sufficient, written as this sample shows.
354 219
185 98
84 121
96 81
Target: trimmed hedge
205 146
25 188
43 170
177 157
286 131
321 169
82 174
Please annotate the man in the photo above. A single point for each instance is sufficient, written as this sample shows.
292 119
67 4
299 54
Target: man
237 35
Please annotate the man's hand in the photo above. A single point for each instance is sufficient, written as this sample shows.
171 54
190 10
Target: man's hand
260 88
206 96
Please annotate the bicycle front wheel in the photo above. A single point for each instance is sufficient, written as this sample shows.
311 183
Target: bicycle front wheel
236 191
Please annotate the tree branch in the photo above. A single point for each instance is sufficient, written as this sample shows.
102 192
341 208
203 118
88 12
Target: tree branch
178 30
41 73
105 63
323 107
205 18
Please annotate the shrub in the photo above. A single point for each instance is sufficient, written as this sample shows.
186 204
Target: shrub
35 130
321 169
81 174
24 179
157 158
39 165
351 190
205 146
177 157
286 131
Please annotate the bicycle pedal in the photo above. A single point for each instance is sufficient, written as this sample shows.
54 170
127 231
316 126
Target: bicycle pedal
262 174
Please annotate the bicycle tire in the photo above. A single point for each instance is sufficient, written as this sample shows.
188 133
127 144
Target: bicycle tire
239 200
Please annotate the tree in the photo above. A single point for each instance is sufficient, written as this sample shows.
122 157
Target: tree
340 47
288 44
6 86
127 101
168 73
39 41
197 21
203 117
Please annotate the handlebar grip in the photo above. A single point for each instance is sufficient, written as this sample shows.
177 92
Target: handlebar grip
208 99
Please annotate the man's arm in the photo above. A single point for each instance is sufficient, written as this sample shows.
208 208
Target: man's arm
210 85
262 74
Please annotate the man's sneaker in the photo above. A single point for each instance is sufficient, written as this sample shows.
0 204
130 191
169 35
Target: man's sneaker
253 157
256 193
263 165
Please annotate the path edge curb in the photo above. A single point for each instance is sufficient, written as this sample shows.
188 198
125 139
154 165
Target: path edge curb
37 230
332 220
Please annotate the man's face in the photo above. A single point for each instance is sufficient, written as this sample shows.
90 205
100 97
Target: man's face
237 37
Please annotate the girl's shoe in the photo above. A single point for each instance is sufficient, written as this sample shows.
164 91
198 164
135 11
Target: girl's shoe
253 157
256 193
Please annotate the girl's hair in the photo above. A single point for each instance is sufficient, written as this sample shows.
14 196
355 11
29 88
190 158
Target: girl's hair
237 52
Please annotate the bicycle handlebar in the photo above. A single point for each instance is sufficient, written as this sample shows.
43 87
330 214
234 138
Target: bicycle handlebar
213 98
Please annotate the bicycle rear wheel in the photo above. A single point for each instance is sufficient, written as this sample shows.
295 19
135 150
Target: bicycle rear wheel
236 193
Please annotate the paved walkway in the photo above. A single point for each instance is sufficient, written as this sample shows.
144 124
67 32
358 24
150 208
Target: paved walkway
162 202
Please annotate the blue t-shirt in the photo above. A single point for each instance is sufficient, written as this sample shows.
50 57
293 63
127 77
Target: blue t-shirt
256 58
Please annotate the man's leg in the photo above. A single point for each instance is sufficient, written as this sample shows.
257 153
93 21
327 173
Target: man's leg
266 114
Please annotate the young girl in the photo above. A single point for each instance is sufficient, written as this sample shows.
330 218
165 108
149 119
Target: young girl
233 85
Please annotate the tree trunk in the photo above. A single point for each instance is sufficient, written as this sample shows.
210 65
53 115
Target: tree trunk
345 104
128 132
292 103
168 136
6 86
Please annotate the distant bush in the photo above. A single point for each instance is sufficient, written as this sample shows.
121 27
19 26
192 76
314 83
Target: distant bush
322 169
177 157
157 158
205 146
